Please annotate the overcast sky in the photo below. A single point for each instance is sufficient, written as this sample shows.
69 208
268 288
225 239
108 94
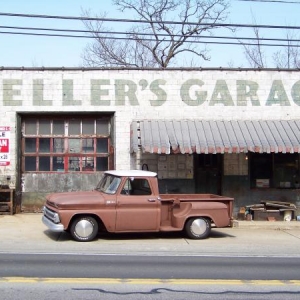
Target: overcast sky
30 51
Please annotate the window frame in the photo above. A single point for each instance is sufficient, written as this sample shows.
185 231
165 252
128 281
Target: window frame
93 154
285 163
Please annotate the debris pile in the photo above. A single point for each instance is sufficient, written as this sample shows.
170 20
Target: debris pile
270 211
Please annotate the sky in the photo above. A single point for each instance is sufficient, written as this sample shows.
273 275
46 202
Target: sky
33 51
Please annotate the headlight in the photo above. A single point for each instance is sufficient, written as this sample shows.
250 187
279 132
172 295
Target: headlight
56 218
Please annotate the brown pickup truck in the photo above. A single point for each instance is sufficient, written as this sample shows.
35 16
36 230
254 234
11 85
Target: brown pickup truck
129 201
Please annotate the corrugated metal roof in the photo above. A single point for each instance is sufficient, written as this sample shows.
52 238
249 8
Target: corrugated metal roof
200 136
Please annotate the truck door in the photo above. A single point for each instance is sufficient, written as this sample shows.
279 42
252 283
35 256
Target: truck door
137 208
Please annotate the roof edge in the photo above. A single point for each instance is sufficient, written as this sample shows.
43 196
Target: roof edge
62 68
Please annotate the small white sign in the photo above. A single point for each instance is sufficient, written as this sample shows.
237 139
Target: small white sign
4 146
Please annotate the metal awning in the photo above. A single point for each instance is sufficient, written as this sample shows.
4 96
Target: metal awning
199 136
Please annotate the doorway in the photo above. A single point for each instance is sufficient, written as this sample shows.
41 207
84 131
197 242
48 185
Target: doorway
208 169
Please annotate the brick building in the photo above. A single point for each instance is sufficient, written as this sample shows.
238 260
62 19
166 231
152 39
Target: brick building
234 132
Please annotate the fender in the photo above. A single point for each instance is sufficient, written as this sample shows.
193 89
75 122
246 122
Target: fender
216 211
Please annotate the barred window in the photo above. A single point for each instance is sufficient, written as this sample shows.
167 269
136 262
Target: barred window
59 144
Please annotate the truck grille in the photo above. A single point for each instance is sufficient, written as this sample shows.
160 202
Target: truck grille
51 215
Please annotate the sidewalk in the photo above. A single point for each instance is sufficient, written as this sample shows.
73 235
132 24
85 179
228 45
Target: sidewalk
25 233
276 225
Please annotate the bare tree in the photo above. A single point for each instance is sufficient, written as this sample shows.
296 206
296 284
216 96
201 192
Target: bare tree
254 54
156 41
289 57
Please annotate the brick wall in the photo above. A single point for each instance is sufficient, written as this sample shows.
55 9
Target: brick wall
145 94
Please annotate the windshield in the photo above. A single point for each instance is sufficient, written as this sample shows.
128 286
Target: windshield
109 184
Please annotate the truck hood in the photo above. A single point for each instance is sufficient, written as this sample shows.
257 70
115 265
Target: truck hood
76 200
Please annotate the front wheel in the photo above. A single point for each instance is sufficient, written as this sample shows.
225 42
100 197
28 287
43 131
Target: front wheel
84 229
198 228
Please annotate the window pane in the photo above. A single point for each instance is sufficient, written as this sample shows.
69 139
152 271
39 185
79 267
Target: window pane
30 127
74 164
140 187
285 170
102 163
61 140
74 145
58 145
102 146
261 167
74 127
58 127
88 127
88 145
44 146
286 159
87 164
44 127
30 145
58 164
30 164
102 127
44 163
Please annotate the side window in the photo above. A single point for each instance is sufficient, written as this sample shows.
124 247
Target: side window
136 186
140 186
127 189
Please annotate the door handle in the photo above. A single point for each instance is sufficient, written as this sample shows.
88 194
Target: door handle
151 200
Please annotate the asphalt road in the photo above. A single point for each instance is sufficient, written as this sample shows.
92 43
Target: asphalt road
149 267
81 290
65 276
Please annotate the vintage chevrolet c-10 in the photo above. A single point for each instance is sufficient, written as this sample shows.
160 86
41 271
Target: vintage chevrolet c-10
129 201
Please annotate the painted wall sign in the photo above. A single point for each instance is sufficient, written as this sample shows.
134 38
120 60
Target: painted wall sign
4 146
106 92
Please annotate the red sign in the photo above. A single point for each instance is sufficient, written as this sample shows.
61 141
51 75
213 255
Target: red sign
4 145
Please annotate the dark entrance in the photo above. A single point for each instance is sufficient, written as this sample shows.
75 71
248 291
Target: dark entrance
208 173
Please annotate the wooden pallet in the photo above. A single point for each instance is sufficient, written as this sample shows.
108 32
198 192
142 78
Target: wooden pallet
7 207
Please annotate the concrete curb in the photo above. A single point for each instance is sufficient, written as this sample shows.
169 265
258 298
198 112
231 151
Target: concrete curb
276 225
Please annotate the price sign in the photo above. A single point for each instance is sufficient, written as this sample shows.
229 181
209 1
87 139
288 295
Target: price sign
4 145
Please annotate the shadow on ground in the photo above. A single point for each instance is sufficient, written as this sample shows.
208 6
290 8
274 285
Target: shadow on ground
65 236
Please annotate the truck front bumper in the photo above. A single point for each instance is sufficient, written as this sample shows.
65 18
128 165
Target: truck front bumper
52 226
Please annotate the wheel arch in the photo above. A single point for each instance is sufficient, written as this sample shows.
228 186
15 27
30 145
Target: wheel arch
194 216
180 221
95 216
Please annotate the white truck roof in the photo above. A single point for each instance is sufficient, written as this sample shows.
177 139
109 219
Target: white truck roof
129 173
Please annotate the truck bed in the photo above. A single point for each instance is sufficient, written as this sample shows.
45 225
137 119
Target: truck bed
209 205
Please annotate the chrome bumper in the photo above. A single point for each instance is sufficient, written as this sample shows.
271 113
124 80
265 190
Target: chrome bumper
52 226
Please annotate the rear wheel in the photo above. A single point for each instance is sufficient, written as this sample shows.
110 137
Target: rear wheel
198 228
84 229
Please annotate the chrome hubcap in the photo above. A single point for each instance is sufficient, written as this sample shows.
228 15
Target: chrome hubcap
84 228
198 226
